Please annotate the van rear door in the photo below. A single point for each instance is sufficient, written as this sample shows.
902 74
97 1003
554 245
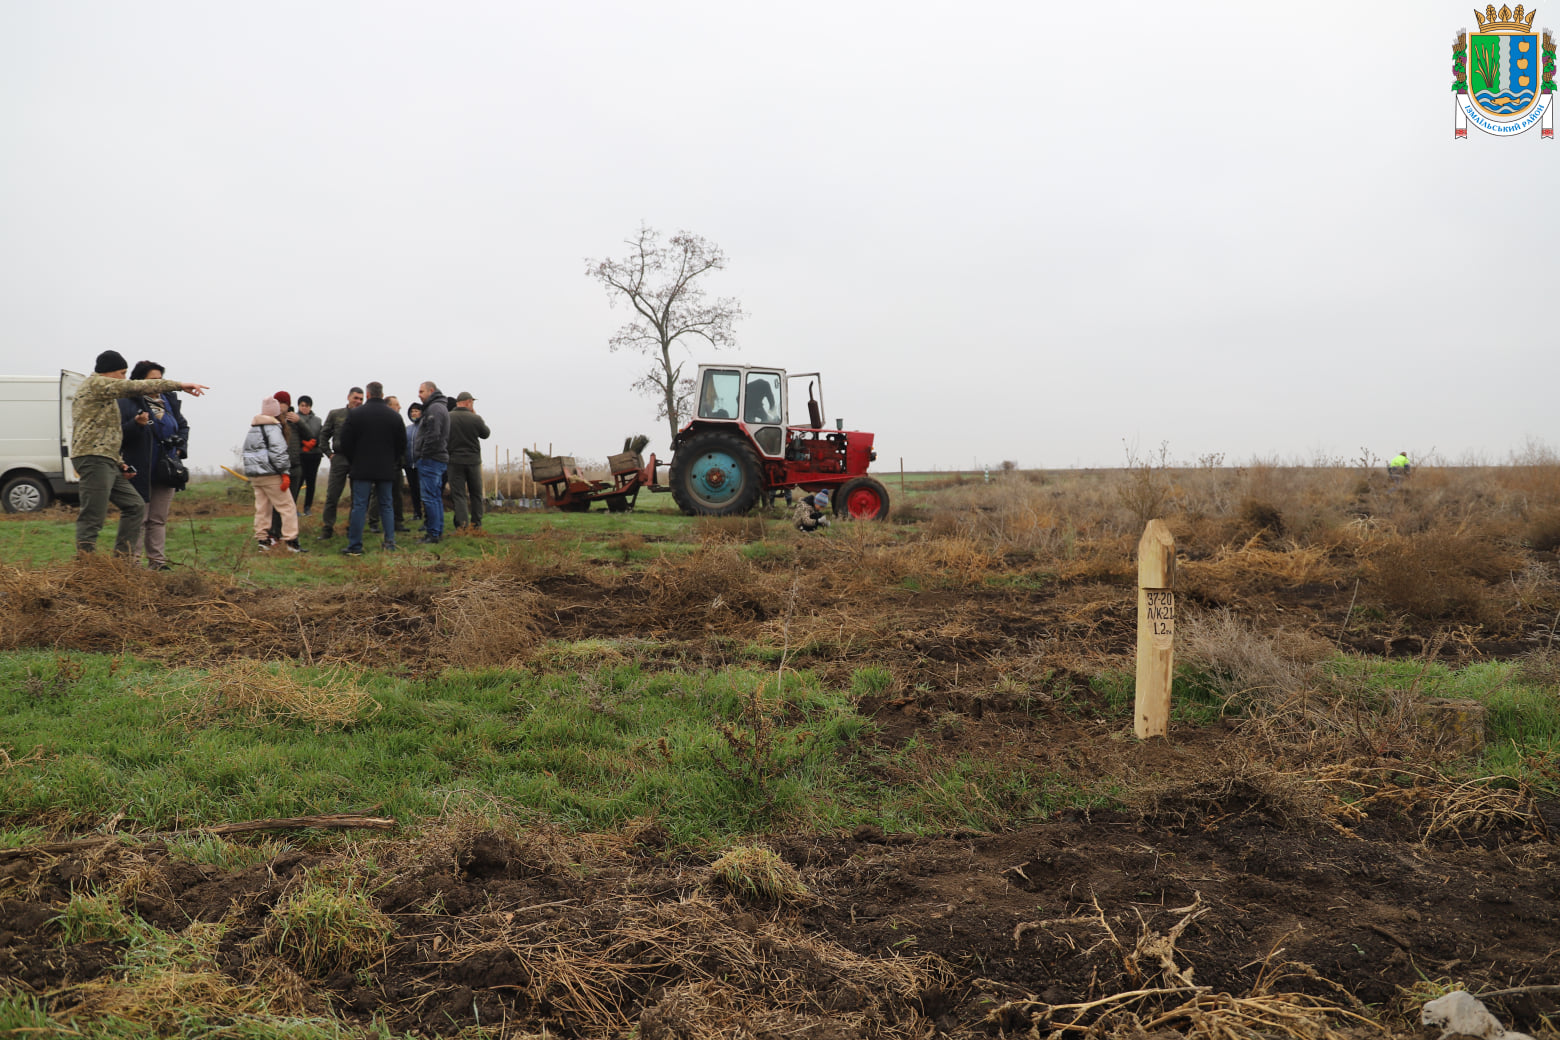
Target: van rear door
68 383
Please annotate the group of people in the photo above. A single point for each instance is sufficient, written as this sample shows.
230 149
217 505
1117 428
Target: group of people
129 439
378 453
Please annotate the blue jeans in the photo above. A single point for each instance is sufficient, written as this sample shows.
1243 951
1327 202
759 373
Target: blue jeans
432 476
360 492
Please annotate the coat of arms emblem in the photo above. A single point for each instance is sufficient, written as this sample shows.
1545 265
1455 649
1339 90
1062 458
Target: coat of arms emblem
1504 74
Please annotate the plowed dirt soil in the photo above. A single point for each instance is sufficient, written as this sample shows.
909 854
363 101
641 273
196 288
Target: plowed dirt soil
1232 869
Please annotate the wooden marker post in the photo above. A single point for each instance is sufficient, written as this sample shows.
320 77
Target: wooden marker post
1156 630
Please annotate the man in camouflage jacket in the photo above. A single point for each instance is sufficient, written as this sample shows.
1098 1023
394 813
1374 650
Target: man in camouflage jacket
94 450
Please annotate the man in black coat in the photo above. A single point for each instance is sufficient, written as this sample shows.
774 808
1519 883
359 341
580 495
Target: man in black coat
373 441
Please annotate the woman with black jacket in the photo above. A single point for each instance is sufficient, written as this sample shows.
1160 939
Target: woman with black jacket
155 438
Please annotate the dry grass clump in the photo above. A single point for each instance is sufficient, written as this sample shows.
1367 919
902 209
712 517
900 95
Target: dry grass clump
1440 574
1229 792
1232 571
714 530
1238 663
718 975
325 926
1484 804
82 603
162 1000
1015 516
715 584
1542 532
488 621
255 693
499 843
756 872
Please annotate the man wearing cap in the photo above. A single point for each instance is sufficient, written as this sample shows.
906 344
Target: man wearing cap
467 430
95 441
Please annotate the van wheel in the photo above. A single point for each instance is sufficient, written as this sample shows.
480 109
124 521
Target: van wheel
26 495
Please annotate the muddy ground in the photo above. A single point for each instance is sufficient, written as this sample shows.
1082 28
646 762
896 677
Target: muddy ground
490 927
1234 868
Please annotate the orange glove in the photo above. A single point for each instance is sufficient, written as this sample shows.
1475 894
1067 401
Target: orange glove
309 444
286 482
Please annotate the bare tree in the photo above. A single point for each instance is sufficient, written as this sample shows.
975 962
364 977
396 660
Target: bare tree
662 284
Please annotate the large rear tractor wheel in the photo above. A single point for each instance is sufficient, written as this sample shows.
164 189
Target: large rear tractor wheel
862 498
715 474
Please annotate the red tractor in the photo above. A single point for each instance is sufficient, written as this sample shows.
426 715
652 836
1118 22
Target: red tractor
740 448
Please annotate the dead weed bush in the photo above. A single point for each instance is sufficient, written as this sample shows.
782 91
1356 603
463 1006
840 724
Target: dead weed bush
254 693
713 584
1441 575
1240 664
82 603
488 621
1231 572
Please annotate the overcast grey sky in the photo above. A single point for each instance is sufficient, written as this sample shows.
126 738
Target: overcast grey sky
1003 230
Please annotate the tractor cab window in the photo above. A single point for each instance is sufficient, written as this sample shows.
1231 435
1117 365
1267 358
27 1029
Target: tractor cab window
718 395
762 403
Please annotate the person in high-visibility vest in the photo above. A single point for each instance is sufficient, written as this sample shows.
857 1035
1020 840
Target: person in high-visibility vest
1397 469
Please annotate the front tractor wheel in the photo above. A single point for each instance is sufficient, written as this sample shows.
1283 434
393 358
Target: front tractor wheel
862 498
715 474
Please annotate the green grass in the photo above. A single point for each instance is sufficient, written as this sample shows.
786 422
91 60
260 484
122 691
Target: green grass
225 545
167 984
1522 724
589 750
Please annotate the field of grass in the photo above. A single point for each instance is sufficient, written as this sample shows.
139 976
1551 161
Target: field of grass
660 720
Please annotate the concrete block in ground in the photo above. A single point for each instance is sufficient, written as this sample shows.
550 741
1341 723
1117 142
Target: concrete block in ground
1455 725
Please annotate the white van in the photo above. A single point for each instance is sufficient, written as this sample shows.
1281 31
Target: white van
35 430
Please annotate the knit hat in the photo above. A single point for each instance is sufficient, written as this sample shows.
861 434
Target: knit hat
111 361
284 397
270 406
821 500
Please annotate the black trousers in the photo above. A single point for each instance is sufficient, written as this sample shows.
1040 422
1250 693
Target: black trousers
311 472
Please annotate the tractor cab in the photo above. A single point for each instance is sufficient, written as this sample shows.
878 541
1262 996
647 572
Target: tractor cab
759 399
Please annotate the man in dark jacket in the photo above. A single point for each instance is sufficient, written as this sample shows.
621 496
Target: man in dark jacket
433 458
373 439
467 430
340 470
